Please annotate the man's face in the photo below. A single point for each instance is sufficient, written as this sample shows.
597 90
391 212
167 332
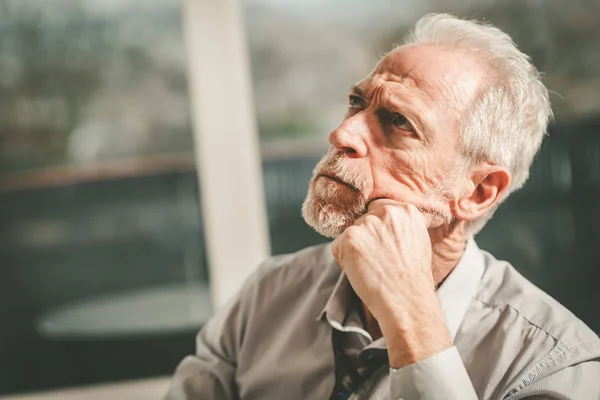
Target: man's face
398 140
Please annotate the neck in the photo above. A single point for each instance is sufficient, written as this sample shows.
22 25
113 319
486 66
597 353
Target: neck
448 246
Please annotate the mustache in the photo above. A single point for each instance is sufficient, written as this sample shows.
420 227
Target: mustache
335 178
335 166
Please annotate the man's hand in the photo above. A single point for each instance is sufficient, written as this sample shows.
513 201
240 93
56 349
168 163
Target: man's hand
387 257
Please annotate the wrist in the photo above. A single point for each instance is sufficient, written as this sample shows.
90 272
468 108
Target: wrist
406 351
415 336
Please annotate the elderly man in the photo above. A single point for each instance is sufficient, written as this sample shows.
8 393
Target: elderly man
403 304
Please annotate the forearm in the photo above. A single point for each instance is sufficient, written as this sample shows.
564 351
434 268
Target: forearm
440 377
424 363
415 333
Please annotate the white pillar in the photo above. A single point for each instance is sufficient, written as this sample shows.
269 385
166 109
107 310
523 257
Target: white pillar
226 143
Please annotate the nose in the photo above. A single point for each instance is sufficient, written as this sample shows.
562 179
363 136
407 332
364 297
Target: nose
349 137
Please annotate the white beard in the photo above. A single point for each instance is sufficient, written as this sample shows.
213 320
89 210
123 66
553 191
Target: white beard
331 207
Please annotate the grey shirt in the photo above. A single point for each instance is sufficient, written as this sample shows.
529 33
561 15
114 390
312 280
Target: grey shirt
273 340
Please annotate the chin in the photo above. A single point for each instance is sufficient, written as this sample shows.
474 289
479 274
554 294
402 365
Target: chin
327 217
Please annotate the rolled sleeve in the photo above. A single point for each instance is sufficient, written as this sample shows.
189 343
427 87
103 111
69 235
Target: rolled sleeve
439 377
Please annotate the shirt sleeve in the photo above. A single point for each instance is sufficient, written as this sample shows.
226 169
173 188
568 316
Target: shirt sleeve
440 377
444 377
577 382
210 373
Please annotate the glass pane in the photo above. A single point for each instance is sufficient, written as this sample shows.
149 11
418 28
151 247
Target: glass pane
305 55
103 272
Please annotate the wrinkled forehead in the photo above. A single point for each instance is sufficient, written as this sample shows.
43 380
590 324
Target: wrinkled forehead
439 73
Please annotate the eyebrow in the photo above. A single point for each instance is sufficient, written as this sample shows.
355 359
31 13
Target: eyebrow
356 90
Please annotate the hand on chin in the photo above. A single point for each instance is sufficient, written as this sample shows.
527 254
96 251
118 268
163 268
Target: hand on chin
386 255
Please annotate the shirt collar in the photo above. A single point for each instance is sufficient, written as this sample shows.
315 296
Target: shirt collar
455 294
337 308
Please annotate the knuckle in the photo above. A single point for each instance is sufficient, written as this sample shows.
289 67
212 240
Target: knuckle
370 219
389 210
410 209
413 210
351 233
352 238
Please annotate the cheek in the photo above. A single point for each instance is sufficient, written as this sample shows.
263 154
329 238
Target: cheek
413 172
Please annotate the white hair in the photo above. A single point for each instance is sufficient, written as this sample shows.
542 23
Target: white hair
509 117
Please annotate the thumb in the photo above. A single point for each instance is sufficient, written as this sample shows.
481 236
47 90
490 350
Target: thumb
432 220
335 250
380 203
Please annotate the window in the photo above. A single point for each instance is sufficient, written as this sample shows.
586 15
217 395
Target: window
103 271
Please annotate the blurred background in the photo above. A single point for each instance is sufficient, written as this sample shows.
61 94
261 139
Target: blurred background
104 272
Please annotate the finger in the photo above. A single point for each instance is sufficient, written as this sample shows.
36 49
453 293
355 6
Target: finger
367 218
431 219
335 249
377 204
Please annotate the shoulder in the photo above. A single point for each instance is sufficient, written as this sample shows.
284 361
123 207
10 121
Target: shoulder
307 271
276 289
311 261
516 335
506 291
308 258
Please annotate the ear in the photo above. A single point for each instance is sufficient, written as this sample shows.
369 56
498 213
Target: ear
487 185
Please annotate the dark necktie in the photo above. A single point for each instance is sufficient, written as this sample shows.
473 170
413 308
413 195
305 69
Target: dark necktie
350 374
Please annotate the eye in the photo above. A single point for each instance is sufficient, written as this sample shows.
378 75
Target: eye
400 122
356 102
